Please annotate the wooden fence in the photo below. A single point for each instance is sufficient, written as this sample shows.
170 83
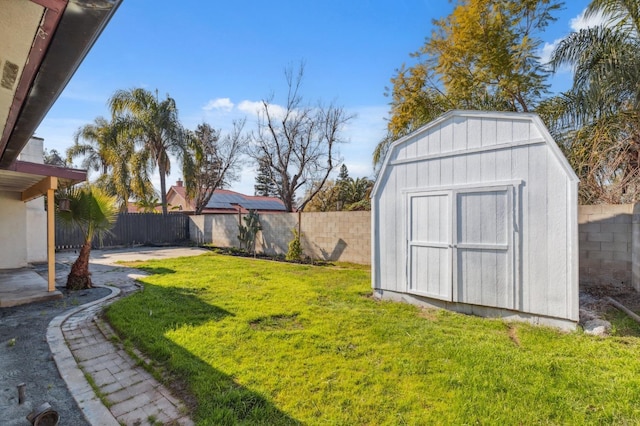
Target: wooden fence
130 230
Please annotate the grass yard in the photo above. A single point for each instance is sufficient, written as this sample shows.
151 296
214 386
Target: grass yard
261 342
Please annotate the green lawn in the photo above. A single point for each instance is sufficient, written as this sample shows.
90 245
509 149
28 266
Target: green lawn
260 342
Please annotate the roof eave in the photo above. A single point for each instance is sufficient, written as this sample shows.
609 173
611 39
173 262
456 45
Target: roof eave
77 30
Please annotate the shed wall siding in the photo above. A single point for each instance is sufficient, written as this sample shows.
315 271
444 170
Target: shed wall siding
542 245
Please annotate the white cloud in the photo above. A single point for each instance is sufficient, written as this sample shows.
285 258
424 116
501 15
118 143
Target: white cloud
576 24
255 108
224 104
547 50
250 107
580 22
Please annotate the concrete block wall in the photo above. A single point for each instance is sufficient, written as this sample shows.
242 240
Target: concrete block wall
221 230
606 243
343 236
635 242
277 232
609 238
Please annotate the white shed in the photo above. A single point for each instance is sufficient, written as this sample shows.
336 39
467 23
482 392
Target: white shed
478 212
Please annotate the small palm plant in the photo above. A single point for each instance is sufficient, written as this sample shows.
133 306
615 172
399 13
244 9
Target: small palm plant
94 213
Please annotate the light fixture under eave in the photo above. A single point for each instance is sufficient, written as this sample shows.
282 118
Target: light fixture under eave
64 205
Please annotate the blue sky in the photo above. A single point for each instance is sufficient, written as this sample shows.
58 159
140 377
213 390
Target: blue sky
217 58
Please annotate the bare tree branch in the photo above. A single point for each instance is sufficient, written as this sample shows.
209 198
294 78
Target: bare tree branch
299 145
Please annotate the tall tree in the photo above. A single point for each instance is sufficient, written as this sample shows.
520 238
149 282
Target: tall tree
104 150
154 125
266 185
94 143
482 56
356 192
54 158
341 186
298 143
212 161
325 200
94 213
598 120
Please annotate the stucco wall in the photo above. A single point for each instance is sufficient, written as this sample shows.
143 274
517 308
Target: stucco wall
13 229
36 231
33 151
36 215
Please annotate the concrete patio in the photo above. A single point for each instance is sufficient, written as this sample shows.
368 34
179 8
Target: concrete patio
25 285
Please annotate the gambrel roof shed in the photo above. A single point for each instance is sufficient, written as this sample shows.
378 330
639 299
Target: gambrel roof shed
477 212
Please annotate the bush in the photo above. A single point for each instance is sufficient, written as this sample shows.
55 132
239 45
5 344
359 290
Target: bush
294 254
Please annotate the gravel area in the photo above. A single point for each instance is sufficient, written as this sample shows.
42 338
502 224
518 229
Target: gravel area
25 357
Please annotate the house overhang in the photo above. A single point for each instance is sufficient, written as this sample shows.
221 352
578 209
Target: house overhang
32 180
49 38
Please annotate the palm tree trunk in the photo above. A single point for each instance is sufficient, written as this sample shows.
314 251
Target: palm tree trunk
80 277
163 186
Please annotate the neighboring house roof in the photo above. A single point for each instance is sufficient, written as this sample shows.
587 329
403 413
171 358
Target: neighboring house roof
222 201
179 190
225 201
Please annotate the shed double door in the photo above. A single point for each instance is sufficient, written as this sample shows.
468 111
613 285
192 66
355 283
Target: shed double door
461 245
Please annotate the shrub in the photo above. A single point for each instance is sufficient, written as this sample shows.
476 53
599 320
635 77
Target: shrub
294 254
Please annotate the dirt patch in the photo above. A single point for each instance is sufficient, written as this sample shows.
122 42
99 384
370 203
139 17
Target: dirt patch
594 304
276 322
512 332
428 313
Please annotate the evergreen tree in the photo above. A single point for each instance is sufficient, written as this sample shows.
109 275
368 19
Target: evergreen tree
265 185
341 186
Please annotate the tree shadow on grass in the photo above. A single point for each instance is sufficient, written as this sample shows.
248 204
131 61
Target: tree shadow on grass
145 318
156 271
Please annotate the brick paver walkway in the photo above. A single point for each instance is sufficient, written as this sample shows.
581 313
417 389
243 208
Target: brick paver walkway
133 396
84 345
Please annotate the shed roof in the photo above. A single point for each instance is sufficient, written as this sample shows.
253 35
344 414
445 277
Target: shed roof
534 118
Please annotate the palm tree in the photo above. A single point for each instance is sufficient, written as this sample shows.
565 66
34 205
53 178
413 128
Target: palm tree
598 120
94 213
356 193
94 142
154 125
103 150
148 205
